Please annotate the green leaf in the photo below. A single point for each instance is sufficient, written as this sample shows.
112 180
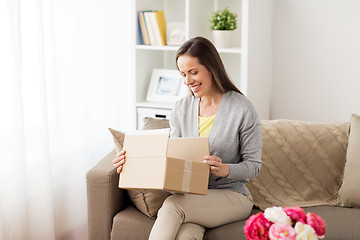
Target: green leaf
223 20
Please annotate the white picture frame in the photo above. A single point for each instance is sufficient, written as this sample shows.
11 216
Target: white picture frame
175 33
166 86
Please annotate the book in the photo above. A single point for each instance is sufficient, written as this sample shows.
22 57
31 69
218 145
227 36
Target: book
143 29
161 26
149 27
158 23
140 35
155 28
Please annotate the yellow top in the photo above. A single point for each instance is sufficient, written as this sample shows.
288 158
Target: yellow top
205 124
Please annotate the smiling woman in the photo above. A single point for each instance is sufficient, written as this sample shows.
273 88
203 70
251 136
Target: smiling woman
59 78
235 151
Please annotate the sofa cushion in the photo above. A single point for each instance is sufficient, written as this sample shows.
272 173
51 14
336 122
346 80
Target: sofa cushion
303 163
146 201
341 222
349 191
229 231
130 224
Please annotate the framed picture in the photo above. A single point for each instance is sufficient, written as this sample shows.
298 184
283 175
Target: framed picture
175 33
166 86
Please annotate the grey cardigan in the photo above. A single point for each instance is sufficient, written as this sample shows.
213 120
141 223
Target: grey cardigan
235 137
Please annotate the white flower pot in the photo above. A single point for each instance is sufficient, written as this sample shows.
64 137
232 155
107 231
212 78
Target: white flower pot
222 38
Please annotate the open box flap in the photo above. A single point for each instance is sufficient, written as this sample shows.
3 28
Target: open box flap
193 149
146 143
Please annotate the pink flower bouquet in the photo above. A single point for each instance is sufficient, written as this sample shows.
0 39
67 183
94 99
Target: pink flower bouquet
290 223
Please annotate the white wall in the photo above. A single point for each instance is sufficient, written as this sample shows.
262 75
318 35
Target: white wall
316 60
260 55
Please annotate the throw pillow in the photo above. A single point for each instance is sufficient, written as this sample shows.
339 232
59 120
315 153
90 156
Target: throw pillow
303 163
155 123
349 191
146 201
118 139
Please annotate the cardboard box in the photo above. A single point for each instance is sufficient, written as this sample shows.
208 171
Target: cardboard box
155 161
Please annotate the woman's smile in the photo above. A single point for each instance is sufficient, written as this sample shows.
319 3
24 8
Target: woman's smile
195 88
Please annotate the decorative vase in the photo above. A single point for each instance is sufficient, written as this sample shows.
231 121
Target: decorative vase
222 38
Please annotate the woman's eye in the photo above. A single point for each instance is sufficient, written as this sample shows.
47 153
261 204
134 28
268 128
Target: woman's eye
194 73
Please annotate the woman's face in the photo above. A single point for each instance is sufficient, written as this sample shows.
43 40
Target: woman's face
196 76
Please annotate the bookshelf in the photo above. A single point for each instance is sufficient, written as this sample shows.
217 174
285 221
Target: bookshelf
195 15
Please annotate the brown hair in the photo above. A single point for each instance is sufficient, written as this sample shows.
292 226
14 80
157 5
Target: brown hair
206 53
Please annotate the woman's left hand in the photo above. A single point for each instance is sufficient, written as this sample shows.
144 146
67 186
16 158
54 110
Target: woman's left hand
217 168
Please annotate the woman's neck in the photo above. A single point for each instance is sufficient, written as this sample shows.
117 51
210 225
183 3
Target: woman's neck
209 104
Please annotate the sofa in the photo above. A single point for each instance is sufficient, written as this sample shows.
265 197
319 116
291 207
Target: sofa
307 164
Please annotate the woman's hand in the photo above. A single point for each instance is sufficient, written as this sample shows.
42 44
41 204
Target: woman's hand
217 168
119 160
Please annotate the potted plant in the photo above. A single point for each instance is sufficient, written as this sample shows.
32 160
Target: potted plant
223 23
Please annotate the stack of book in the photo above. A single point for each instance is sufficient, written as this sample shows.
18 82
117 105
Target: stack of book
152 27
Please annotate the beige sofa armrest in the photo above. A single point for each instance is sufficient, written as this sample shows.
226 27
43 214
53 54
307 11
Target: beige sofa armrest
104 198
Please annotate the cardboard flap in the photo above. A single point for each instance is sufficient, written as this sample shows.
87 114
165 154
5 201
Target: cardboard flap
144 172
146 143
193 149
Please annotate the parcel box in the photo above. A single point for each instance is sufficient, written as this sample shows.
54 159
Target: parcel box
155 161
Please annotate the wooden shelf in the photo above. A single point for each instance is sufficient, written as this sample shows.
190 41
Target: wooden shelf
157 48
175 48
155 105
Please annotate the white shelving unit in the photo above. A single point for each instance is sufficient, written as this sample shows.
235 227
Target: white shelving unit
195 14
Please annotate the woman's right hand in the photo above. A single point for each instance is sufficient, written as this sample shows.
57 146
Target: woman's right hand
119 160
